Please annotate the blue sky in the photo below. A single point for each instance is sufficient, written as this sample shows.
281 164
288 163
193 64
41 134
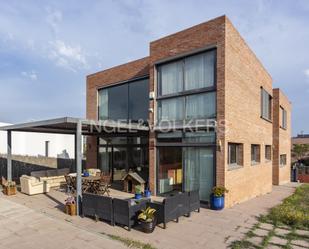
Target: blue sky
48 47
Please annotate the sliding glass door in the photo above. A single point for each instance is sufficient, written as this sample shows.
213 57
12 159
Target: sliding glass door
186 168
199 170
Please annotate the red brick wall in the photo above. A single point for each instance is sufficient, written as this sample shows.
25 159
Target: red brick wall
204 35
244 77
281 138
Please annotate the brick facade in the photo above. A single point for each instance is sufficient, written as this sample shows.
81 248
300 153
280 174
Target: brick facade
239 78
281 138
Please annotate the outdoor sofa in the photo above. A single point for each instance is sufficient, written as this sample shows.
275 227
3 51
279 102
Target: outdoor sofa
54 177
176 205
98 206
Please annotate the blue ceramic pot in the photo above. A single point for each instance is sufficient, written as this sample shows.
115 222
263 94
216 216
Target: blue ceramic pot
147 193
86 174
216 203
138 196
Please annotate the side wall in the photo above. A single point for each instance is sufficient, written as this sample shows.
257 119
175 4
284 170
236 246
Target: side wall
281 139
209 34
105 78
245 76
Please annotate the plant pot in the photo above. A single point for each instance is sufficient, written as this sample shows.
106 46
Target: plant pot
147 193
148 227
70 209
216 203
138 196
9 190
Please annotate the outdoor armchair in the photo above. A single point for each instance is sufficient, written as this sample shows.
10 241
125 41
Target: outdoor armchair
31 185
126 211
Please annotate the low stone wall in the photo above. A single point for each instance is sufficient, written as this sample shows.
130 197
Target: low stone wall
24 165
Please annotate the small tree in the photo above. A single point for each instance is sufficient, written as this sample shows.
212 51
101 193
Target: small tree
300 150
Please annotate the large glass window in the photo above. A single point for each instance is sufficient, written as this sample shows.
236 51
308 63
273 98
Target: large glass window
266 104
186 88
200 70
171 78
125 102
201 106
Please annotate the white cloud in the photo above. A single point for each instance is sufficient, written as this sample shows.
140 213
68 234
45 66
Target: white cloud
70 57
30 75
307 72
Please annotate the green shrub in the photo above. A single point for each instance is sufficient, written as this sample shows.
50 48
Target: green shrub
294 210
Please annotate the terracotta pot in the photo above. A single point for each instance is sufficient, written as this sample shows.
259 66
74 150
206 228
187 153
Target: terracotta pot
9 190
70 209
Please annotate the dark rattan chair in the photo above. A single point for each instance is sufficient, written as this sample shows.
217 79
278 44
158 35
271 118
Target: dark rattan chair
125 213
98 207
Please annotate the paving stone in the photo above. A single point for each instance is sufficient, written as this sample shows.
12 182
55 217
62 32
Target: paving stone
261 232
282 232
278 240
302 232
255 240
303 243
273 247
266 226
297 247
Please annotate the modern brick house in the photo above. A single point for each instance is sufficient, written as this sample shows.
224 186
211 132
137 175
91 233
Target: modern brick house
225 115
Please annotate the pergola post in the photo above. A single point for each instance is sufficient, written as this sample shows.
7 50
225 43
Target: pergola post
9 155
78 160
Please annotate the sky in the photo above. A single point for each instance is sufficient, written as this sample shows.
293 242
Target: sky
48 47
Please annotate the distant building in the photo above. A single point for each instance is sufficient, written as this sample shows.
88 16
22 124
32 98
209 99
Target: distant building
38 144
300 139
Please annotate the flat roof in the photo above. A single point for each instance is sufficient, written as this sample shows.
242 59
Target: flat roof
68 125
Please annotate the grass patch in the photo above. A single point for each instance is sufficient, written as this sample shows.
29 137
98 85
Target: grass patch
241 244
293 211
131 243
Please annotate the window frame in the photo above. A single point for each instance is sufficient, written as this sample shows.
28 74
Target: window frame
270 98
126 82
254 162
283 120
268 159
239 153
185 93
285 160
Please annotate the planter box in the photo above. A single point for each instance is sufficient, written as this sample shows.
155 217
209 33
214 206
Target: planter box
9 190
70 209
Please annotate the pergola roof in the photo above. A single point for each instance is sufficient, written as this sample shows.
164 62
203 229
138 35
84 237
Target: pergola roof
67 125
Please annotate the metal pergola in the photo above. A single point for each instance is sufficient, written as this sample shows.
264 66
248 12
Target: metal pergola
72 126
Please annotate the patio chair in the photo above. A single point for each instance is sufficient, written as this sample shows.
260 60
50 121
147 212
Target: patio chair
126 211
168 210
105 184
98 207
194 201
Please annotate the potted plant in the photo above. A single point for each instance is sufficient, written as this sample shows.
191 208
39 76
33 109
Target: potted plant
138 192
70 205
9 188
147 219
217 198
147 193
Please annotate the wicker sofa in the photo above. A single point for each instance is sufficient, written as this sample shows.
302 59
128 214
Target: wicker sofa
54 177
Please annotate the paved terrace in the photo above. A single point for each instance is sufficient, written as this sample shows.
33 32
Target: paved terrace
31 219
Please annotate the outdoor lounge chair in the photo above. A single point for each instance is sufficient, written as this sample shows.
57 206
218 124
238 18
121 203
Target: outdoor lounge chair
125 213
194 201
97 206
168 210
